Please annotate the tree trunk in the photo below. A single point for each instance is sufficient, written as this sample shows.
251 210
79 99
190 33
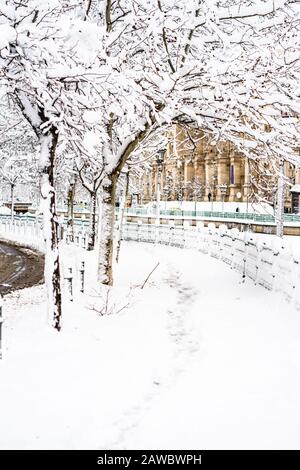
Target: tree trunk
12 196
92 227
121 217
70 222
105 273
50 227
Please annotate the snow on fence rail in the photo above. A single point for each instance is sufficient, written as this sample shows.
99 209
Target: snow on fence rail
27 232
24 230
270 264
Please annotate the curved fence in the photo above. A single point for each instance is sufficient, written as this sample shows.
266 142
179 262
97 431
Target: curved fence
28 230
270 262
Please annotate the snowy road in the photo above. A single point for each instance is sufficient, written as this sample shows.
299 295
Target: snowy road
19 268
198 360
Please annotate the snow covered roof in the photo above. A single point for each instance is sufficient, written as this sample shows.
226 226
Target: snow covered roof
295 188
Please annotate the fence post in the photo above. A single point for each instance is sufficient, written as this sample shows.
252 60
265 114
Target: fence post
84 240
234 236
81 275
186 228
171 232
157 227
200 229
211 229
139 229
297 284
246 240
294 280
69 279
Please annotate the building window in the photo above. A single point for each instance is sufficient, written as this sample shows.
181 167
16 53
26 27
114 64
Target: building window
231 174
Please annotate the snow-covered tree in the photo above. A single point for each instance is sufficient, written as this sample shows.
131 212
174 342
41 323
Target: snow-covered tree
195 188
16 171
46 54
91 179
217 65
17 153
124 69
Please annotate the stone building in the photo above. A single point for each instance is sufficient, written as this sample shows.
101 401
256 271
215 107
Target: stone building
194 169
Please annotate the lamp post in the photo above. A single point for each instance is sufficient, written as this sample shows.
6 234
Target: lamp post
12 198
166 193
134 200
159 163
223 191
248 183
280 200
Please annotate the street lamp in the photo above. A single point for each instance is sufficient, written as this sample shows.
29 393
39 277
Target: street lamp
280 200
247 183
166 193
223 191
134 200
159 162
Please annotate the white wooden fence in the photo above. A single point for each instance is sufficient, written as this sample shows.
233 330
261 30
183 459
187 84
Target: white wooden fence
24 230
28 231
269 262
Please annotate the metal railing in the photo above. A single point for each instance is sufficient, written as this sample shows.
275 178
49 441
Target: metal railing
248 216
213 215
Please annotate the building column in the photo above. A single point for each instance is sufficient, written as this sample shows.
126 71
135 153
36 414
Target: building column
234 178
223 176
287 198
188 179
297 175
208 174
153 182
246 185
185 177
295 195
199 175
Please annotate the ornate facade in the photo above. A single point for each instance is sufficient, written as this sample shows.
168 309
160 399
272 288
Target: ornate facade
194 169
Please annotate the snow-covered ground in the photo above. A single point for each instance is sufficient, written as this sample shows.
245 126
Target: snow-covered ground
197 360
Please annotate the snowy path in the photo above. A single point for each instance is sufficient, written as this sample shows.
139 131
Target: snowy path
19 268
241 390
178 338
198 361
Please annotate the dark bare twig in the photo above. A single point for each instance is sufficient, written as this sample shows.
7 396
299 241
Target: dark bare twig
147 278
